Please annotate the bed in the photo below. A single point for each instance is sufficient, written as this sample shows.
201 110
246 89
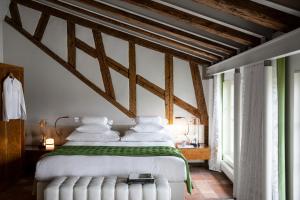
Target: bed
172 168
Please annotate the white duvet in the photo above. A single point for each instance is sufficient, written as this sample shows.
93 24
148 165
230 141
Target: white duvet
172 168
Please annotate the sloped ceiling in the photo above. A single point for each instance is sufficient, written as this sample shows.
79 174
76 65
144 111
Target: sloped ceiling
207 31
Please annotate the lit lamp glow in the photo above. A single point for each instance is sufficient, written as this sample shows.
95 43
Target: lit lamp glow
50 144
187 131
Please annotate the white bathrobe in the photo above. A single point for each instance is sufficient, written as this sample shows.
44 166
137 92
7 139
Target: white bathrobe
13 100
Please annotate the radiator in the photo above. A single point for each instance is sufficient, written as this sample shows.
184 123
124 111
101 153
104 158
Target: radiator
105 188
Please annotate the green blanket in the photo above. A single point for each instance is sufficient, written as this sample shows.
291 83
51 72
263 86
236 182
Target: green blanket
124 151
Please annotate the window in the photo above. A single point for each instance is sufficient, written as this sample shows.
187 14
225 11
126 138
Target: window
228 122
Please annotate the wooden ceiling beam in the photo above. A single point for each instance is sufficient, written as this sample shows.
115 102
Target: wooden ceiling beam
190 49
256 13
122 35
196 22
149 25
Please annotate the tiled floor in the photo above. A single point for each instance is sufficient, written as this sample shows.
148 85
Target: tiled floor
207 185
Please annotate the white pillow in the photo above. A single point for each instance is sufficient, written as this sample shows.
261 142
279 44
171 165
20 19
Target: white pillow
151 120
131 136
94 120
93 128
108 136
147 128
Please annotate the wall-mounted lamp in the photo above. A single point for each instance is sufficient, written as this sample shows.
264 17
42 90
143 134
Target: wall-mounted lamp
76 119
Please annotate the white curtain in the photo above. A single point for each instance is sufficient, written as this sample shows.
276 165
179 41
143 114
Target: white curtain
215 137
251 160
274 134
256 133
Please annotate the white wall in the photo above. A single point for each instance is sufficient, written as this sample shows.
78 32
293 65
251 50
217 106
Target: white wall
51 91
3 11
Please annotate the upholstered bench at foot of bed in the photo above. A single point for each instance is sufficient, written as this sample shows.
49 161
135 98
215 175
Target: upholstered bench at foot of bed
105 188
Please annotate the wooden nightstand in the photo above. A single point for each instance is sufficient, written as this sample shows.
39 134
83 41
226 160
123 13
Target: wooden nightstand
31 156
197 153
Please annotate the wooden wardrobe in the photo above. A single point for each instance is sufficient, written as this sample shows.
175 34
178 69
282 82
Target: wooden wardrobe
11 135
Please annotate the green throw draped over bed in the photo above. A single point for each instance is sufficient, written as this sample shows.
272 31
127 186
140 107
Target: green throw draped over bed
125 151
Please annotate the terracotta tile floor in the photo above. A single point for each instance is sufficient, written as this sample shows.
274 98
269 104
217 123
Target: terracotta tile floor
207 185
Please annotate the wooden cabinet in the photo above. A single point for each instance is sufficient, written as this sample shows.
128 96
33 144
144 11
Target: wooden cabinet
11 135
198 153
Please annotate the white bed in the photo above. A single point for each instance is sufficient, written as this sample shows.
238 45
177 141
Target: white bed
172 168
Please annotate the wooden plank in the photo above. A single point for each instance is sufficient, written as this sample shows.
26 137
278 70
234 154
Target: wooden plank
71 44
256 13
169 88
150 86
198 89
86 48
196 22
110 31
131 21
118 67
69 67
41 27
14 12
106 77
188 107
132 78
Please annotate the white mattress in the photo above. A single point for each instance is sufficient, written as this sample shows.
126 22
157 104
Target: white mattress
172 168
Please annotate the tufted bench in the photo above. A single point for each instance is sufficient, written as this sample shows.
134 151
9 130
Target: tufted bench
105 188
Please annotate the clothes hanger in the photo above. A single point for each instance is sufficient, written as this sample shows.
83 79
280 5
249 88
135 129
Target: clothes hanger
11 75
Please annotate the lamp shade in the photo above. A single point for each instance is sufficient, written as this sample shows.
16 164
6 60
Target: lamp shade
49 144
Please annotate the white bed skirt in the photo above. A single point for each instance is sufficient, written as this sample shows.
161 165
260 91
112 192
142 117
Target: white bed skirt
177 190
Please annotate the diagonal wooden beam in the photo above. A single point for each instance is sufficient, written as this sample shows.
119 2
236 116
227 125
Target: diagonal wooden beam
106 77
196 22
86 48
71 44
154 29
68 67
256 13
14 12
132 78
169 88
105 29
41 27
117 67
199 94
156 90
